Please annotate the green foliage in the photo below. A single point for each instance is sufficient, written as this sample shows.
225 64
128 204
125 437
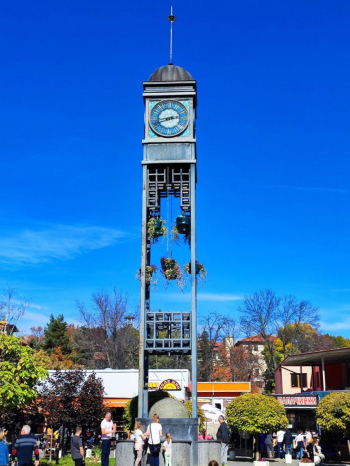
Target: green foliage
156 228
339 341
333 412
200 414
56 335
204 356
18 374
130 412
255 413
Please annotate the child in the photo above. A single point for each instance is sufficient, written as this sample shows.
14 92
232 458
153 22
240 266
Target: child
167 449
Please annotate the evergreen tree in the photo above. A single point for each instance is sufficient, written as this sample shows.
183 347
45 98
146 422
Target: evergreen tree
56 335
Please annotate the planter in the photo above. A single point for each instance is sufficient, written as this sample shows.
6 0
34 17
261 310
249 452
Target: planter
158 224
304 464
183 224
289 459
188 268
171 270
156 228
261 463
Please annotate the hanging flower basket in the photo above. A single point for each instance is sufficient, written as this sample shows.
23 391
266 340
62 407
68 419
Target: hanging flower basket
200 270
171 270
183 224
156 228
151 274
182 227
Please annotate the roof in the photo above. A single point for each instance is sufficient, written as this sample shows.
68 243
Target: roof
315 358
170 73
254 339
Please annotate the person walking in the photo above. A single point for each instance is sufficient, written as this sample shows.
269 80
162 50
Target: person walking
4 451
288 442
76 447
167 449
107 430
269 445
300 444
280 437
24 448
224 437
139 441
309 444
154 433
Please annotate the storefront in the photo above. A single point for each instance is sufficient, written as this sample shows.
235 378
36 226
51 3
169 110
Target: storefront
301 410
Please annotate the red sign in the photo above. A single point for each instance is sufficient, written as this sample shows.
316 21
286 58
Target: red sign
298 401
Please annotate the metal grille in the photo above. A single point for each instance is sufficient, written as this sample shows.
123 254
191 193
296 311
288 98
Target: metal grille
168 332
165 182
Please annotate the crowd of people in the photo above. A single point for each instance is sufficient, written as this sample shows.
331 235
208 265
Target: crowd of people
151 442
303 443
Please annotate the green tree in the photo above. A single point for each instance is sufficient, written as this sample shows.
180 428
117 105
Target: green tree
339 341
130 412
56 335
19 374
255 414
333 412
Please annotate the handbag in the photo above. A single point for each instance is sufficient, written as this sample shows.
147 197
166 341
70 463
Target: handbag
156 447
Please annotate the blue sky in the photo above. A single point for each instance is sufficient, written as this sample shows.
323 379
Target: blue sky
272 136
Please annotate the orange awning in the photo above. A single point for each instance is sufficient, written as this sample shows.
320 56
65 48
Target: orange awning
115 402
220 387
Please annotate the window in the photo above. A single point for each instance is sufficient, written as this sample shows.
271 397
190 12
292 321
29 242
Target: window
295 380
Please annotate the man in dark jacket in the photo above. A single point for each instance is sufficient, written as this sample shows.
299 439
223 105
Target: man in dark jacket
224 437
24 448
288 442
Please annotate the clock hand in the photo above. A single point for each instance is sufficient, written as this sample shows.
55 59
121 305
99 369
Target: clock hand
168 118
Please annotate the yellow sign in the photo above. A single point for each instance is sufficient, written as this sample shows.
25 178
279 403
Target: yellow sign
153 384
170 384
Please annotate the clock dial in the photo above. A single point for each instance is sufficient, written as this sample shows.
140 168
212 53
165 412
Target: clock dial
169 118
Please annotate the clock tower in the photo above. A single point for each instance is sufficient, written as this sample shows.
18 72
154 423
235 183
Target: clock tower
169 170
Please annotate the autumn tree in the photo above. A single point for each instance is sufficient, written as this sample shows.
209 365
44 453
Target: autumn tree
266 314
19 374
215 327
107 330
72 398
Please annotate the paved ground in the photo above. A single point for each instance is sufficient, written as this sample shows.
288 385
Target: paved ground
244 461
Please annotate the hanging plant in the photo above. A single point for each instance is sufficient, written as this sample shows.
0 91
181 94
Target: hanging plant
156 228
151 274
200 271
183 227
171 270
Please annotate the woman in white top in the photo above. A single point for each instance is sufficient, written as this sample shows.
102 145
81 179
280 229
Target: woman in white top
154 433
300 444
139 436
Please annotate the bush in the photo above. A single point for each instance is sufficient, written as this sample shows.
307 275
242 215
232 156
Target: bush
333 412
130 413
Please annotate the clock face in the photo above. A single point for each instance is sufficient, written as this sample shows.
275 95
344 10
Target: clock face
169 118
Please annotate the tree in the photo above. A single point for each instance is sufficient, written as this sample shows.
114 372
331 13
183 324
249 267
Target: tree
266 314
131 407
215 328
18 374
12 308
333 412
72 398
200 414
255 413
56 335
339 341
108 331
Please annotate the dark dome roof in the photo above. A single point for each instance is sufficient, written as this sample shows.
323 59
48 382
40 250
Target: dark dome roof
170 73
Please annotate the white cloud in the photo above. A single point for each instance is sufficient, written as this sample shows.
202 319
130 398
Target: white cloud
336 326
55 242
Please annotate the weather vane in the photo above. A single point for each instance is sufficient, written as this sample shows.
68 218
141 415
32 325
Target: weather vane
171 18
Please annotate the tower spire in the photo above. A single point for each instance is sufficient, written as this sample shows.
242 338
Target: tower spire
171 18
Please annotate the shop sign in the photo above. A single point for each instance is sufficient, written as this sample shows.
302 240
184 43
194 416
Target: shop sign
170 384
298 401
154 385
